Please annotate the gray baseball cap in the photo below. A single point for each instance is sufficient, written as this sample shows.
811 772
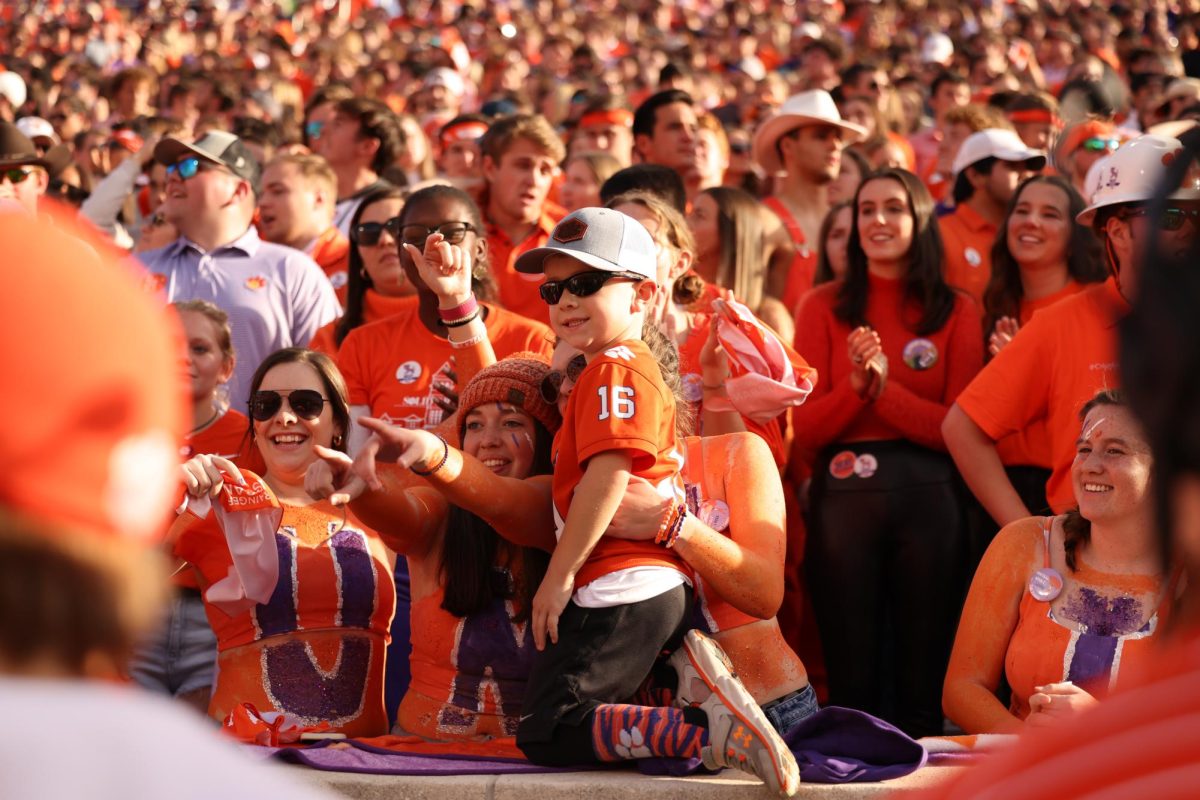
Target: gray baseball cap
218 147
599 237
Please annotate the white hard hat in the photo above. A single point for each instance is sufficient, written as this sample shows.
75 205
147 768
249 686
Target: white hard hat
1132 174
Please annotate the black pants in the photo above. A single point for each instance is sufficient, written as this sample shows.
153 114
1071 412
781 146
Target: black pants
603 655
884 563
1030 484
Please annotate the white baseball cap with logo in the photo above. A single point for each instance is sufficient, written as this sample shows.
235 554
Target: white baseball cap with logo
998 143
599 237
1132 174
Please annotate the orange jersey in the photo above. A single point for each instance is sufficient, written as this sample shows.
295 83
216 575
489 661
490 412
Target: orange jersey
390 365
967 240
468 673
619 403
375 308
331 251
316 649
1030 446
804 263
1060 360
519 291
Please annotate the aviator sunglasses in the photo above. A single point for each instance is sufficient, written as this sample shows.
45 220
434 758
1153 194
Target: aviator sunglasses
552 383
1098 144
307 403
185 168
16 175
582 284
1172 218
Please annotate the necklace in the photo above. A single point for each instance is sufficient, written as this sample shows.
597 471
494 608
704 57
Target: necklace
204 425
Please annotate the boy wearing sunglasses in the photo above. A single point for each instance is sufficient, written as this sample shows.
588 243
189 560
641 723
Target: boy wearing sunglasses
24 172
275 296
607 607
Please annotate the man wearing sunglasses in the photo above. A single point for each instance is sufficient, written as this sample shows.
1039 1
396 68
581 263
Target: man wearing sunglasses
1081 146
1068 351
24 172
275 296
988 168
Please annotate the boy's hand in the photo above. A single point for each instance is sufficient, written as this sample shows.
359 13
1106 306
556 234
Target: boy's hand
548 605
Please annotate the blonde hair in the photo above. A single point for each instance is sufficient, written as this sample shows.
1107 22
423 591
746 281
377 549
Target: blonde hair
601 165
313 168
673 228
217 317
530 127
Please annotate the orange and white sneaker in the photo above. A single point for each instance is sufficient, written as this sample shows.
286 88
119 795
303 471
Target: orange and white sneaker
740 736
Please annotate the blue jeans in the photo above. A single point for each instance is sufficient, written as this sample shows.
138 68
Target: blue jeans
790 710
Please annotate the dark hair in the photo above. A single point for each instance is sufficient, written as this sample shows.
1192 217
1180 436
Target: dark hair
376 121
646 115
469 551
1077 531
481 278
1085 262
924 288
1160 359
652 178
824 272
947 76
741 265
963 188
357 279
831 47
252 129
331 379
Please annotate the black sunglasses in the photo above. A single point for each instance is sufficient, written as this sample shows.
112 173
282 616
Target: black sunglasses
452 232
1172 218
582 284
307 403
368 233
552 383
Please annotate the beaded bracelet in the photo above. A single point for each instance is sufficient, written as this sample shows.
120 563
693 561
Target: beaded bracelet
462 311
440 464
671 526
676 528
458 323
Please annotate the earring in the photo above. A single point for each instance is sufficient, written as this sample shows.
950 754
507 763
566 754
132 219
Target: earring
337 440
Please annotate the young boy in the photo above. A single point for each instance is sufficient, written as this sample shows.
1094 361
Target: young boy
609 607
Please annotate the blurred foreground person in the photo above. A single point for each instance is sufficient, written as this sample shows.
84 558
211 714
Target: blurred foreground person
89 460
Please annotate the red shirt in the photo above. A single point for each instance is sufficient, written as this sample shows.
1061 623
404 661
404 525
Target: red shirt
967 239
331 251
375 308
925 373
804 263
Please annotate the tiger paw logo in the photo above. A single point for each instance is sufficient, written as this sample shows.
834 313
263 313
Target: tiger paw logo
1169 158
156 283
256 282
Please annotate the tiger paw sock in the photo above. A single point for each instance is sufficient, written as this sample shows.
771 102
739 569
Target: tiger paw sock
623 732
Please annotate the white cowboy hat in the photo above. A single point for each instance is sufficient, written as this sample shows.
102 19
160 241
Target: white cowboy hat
815 107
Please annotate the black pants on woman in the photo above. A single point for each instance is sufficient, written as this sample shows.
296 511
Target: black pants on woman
884 563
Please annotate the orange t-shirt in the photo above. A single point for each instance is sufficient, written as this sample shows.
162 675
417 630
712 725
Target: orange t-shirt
925 373
375 308
1060 360
804 263
1031 446
518 291
390 365
619 403
316 649
967 239
331 251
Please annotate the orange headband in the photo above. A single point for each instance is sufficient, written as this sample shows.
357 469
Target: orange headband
1082 132
1034 115
463 131
616 116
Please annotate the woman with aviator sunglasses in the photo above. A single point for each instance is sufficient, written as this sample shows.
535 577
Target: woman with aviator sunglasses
298 592
376 287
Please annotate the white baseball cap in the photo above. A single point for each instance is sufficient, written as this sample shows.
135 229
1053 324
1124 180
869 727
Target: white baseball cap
997 143
599 237
37 128
936 48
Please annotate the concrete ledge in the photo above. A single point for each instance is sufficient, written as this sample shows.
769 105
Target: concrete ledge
728 785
